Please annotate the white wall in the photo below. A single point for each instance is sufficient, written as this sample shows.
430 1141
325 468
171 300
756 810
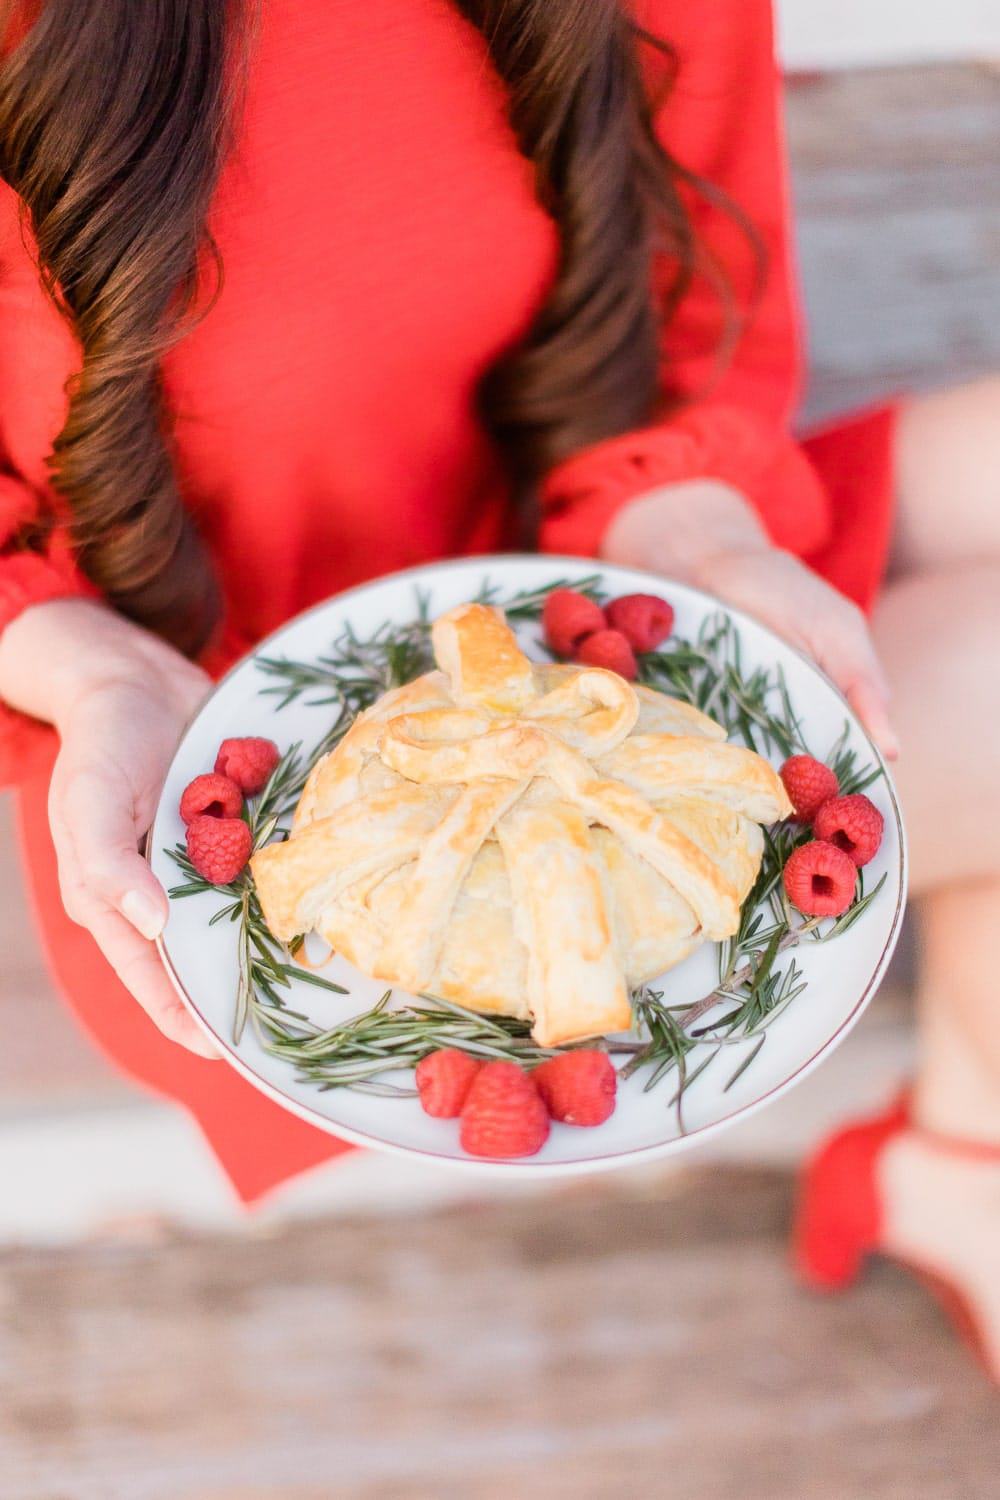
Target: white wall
817 34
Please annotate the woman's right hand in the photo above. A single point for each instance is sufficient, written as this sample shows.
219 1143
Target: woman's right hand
120 699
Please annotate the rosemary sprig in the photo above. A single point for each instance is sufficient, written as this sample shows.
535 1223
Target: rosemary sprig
356 1053
755 984
527 604
756 990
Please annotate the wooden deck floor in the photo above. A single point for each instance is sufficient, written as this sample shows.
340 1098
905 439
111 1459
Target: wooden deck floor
591 1347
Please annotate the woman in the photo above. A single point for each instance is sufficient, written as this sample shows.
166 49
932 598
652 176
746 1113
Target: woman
294 298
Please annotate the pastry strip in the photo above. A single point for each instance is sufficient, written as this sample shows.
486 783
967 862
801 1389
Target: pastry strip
412 946
478 650
592 712
649 834
661 714
575 984
513 751
659 766
336 779
297 879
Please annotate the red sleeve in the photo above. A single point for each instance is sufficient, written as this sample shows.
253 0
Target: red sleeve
30 573
722 120
37 353
26 578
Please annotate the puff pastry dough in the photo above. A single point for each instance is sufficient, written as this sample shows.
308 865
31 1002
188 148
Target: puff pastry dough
528 840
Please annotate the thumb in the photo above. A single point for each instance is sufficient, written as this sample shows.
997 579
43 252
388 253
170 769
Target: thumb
99 820
848 656
870 704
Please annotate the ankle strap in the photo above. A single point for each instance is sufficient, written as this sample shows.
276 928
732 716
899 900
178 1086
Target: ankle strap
963 1147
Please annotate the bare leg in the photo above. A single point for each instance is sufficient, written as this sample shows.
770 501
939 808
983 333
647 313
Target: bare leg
938 630
939 636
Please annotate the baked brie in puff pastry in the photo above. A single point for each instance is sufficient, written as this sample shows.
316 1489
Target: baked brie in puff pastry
526 840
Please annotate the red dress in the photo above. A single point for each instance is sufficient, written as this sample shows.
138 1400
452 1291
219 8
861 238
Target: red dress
382 245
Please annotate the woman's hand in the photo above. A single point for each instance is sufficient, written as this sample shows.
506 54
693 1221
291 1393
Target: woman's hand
704 533
120 699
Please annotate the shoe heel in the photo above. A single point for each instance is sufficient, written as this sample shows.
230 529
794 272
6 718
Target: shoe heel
828 1249
839 1215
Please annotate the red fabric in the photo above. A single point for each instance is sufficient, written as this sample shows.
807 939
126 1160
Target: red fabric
382 245
28 578
714 440
724 119
839 1217
855 459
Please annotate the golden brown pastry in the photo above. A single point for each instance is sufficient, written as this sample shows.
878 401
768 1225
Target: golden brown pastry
528 840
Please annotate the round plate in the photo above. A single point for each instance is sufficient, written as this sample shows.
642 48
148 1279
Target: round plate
842 974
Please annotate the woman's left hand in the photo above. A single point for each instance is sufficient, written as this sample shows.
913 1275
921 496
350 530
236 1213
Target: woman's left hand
705 533
799 606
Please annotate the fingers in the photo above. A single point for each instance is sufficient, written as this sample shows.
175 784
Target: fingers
99 843
785 595
138 966
108 888
133 958
844 650
870 706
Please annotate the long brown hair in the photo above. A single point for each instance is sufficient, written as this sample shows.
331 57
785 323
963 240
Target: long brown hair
113 127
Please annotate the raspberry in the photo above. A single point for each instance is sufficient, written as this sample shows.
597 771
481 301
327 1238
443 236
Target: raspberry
443 1081
854 824
504 1114
820 879
578 1087
211 796
248 761
608 649
643 619
809 784
568 617
218 848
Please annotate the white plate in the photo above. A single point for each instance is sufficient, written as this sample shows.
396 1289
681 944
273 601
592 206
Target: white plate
842 974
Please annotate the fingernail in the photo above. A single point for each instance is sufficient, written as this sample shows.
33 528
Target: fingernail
144 915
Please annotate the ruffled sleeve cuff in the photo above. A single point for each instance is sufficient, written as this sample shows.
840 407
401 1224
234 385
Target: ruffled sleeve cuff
713 440
27 578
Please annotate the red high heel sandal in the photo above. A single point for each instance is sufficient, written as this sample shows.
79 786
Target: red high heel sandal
838 1222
